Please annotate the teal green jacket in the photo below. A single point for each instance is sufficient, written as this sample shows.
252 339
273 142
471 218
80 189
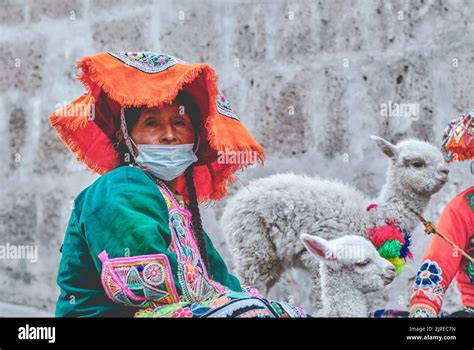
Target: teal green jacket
125 216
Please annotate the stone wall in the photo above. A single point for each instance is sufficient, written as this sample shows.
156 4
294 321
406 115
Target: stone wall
308 78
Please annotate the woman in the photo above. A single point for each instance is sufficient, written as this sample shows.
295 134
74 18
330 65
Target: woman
154 126
442 263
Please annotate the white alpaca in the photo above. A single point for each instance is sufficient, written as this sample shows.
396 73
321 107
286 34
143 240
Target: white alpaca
350 267
263 222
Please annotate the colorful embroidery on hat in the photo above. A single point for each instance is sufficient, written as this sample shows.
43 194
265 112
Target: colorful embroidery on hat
457 137
223 107
147 62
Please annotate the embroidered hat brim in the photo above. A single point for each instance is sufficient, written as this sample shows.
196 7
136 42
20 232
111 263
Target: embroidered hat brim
121 79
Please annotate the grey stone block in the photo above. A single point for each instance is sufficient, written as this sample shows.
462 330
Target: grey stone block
13 12
192 33
250 35
54 9
121 35
21 64
331 111
52 154
349 26
18 217
438 22
398 82
17 135
294 30
113 4
281 119
455 83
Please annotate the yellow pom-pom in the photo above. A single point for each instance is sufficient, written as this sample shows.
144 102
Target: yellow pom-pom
399 264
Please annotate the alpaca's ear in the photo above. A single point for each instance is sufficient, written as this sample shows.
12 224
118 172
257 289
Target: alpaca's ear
389 149
318 246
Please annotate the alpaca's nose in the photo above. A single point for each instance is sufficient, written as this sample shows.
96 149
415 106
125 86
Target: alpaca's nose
391 270
389 274
443 174
444 171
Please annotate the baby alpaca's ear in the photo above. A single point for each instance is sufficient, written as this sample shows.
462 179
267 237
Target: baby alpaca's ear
318 246
387 148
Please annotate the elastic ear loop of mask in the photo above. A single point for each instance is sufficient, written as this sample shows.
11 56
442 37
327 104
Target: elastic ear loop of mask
123 127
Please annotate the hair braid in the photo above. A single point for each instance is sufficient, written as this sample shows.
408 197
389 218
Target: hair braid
196 217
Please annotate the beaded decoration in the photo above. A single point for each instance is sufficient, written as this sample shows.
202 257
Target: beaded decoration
192 275
223 107
147 62
152 63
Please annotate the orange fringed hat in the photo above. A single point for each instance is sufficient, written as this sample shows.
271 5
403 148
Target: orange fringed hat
116 80
458 139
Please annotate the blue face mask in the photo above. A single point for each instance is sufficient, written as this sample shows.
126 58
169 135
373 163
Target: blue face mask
166 162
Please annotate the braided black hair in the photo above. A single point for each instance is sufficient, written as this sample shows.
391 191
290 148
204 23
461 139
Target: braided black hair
196 217
131 116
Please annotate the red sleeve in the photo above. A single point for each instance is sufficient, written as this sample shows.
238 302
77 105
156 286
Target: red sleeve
440 263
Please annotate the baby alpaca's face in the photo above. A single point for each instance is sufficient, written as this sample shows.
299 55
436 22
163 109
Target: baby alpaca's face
372 272
359 258
420 166
415 165
353 257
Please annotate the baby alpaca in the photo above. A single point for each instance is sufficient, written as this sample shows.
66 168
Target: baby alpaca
263 222
350 267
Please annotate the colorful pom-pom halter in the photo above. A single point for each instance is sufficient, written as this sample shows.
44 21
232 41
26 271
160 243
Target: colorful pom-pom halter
391 242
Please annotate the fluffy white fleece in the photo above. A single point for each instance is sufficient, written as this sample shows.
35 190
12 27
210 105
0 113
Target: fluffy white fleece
263 221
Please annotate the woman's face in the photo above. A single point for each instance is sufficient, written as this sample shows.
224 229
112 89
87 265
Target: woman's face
169 125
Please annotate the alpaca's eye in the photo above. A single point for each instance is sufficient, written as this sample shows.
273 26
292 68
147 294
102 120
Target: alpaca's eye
418 164
362 263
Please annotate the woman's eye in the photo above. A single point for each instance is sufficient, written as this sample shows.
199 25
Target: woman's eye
150 123
180 122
